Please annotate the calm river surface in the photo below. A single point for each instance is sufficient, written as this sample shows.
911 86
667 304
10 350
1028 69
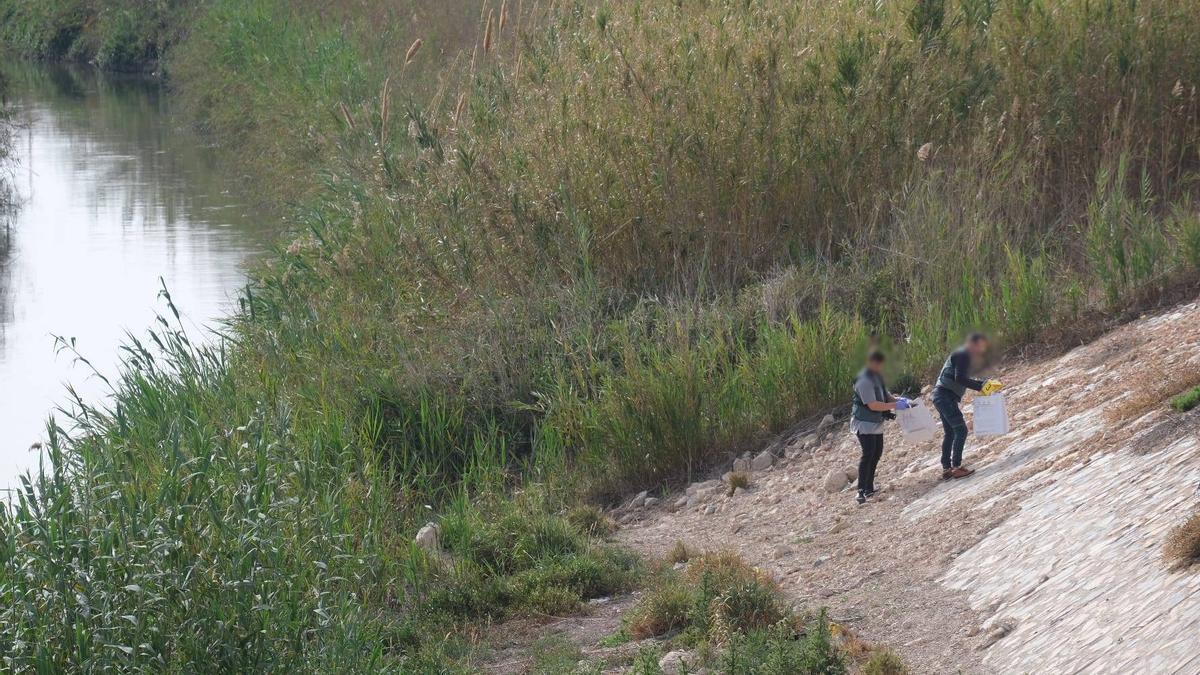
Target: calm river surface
115 195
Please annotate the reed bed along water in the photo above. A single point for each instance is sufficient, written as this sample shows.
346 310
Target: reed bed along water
574 249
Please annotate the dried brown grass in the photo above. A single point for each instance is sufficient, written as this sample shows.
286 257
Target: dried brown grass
1182 547
1153 389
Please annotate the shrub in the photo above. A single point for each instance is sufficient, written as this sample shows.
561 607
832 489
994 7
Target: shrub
665 609
884 662
679 553
779 650
1187 400
738 479
1183 543
591 520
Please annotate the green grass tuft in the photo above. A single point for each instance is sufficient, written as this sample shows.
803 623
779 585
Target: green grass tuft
1187 400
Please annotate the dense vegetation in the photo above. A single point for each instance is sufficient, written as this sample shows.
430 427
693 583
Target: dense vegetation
600 248
116 34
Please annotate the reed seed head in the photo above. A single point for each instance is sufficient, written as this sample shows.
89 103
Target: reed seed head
412 51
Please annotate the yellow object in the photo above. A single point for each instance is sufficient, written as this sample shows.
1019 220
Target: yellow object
992 386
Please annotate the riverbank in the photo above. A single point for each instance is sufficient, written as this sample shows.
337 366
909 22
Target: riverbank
585 253
120 35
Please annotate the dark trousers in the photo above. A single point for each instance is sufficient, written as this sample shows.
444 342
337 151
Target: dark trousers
872 450
956 431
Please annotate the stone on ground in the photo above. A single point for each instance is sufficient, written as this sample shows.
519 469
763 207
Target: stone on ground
429 538
762 461
835 481
677 662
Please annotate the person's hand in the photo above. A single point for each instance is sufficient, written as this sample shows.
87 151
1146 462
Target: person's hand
992 386
903 403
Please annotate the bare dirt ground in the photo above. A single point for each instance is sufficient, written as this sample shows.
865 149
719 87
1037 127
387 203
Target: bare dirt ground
1047 560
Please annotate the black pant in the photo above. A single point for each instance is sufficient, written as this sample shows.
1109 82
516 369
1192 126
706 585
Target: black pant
872 450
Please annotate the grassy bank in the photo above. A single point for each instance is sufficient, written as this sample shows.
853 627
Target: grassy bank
595 249
119 35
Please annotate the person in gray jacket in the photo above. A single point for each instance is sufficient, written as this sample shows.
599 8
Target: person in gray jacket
953 381
873 404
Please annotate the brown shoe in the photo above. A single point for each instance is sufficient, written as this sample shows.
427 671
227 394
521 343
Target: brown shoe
961 472
947 474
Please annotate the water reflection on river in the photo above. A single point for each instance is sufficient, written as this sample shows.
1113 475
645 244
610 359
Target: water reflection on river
114 195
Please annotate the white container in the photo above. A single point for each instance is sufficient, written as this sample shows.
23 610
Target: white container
917 423
991 415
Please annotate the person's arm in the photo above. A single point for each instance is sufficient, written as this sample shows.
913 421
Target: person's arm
961 361
866 391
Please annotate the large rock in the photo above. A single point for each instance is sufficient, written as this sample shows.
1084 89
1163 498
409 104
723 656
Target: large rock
639 500
429 538
826 422
762 461
678 662
835 481
741 465
851 473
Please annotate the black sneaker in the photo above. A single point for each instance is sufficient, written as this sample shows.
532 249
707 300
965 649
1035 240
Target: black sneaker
861 498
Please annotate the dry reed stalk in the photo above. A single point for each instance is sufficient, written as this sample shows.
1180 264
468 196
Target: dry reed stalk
346 115
458 108
487 33
503 16
384 109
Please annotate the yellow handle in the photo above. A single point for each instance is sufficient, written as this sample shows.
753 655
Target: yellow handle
991 386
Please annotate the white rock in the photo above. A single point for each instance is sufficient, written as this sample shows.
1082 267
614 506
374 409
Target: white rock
677 662
429 538
826 421
682 502
763 461
851 473
638 501
741 464
835 481
712 508
737 492
651 501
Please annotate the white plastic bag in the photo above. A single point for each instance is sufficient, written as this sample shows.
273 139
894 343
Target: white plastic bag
917 423
991 415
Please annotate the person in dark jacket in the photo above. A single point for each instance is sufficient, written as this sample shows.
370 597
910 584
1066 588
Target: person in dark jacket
873 403
954 381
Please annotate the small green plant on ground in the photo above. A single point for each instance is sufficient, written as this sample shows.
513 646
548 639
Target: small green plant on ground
884 662
679 553
593 521
555 655
1187 400
736 615
1183 543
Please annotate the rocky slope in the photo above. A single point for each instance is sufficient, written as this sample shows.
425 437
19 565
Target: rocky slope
1046 560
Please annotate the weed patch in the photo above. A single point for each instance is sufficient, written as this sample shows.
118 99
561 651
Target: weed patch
1187 400
1182 547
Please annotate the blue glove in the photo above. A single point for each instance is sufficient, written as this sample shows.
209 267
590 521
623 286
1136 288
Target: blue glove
903 403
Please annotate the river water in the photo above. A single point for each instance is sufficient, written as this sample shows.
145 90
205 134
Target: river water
114 195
